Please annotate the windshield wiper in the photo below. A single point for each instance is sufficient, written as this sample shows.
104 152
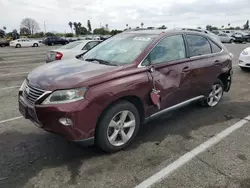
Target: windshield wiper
100 61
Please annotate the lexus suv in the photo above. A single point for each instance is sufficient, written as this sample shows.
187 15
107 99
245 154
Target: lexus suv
108 92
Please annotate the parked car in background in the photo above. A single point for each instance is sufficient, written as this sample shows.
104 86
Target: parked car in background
104 96
50 41
24 42
4 42
71 50
225 38
244 59
239 37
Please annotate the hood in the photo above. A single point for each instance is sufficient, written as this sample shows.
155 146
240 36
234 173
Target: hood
67 74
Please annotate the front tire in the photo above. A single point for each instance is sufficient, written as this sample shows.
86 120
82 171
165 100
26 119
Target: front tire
35 45
117 127
18 46
231 41
215 94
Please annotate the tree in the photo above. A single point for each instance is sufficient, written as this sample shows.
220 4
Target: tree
162 27
127 26
2 33
107 26
76 28
49 34
209 27
246 26
79 24
237 28
82 31
70 25
228 24
101 31
69 35
89 26
222 26
198 27
24 31
137 27
214 28
142 24
31 25
4 28
114 32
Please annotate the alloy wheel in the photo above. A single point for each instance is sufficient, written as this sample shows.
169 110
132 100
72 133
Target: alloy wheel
121 128
215 95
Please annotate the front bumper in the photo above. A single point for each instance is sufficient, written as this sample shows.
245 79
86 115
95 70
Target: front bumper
243 63
84 117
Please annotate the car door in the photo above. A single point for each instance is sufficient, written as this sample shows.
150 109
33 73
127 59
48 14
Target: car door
29 43
205 60
171 70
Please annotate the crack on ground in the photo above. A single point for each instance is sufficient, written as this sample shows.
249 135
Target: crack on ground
213 167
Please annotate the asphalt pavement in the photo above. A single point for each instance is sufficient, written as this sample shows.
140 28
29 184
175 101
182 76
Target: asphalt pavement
31 157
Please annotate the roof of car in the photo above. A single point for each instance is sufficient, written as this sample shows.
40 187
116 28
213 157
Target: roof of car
164 32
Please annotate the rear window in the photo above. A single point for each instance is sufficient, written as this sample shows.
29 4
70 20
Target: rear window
215 47
73 45
198 45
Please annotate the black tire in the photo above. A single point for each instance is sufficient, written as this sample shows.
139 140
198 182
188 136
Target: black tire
205 102
101 136
245 69
35 45
231 41
18 46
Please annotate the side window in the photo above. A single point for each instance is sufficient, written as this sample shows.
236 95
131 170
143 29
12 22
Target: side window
215 47
169 49
198 45
90 45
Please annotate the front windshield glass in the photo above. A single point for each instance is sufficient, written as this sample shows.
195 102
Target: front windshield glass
71 45
120 49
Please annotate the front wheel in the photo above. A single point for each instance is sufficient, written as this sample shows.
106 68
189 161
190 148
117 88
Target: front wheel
231 41
117 127
215 94
18 46
35 45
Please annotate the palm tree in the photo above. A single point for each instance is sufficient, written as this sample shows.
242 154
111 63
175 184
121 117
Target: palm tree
70 25
106 26
222 26
142 24
127 26
79 24
4 28
228 24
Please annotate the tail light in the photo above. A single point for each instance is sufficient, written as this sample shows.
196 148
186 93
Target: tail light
59 56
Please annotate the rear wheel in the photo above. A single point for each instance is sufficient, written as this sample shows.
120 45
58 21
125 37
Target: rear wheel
215 94
35 45
18 46
231 41
117 127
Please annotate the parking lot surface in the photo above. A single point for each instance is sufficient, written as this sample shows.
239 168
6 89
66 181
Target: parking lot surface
31 157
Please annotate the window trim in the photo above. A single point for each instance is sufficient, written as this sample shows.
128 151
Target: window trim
146 56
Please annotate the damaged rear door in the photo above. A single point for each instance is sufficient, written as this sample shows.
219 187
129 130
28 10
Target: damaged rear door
170 72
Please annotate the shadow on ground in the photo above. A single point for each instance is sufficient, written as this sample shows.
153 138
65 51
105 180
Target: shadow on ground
23 156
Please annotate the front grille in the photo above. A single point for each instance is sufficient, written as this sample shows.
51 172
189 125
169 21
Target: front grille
31 94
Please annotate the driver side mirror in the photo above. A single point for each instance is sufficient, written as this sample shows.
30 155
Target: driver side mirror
151 68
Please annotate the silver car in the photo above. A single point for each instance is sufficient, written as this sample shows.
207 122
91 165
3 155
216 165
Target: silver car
225 38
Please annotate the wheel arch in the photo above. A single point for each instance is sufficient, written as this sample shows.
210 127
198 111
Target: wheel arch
224 78
135 100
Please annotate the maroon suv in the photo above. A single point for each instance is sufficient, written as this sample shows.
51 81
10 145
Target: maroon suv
106 94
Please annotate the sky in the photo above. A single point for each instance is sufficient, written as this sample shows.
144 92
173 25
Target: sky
56 14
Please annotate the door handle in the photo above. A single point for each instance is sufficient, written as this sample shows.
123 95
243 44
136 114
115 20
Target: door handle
217 63
186 69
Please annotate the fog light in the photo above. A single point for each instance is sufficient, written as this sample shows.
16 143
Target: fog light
66 121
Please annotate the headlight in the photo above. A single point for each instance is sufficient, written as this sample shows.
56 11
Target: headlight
65 96
22 86
244 52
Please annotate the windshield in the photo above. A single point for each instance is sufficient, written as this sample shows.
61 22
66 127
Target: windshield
72 45
120 49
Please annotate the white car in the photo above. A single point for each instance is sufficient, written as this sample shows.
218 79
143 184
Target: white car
24 43
71 50
244 59
225 38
